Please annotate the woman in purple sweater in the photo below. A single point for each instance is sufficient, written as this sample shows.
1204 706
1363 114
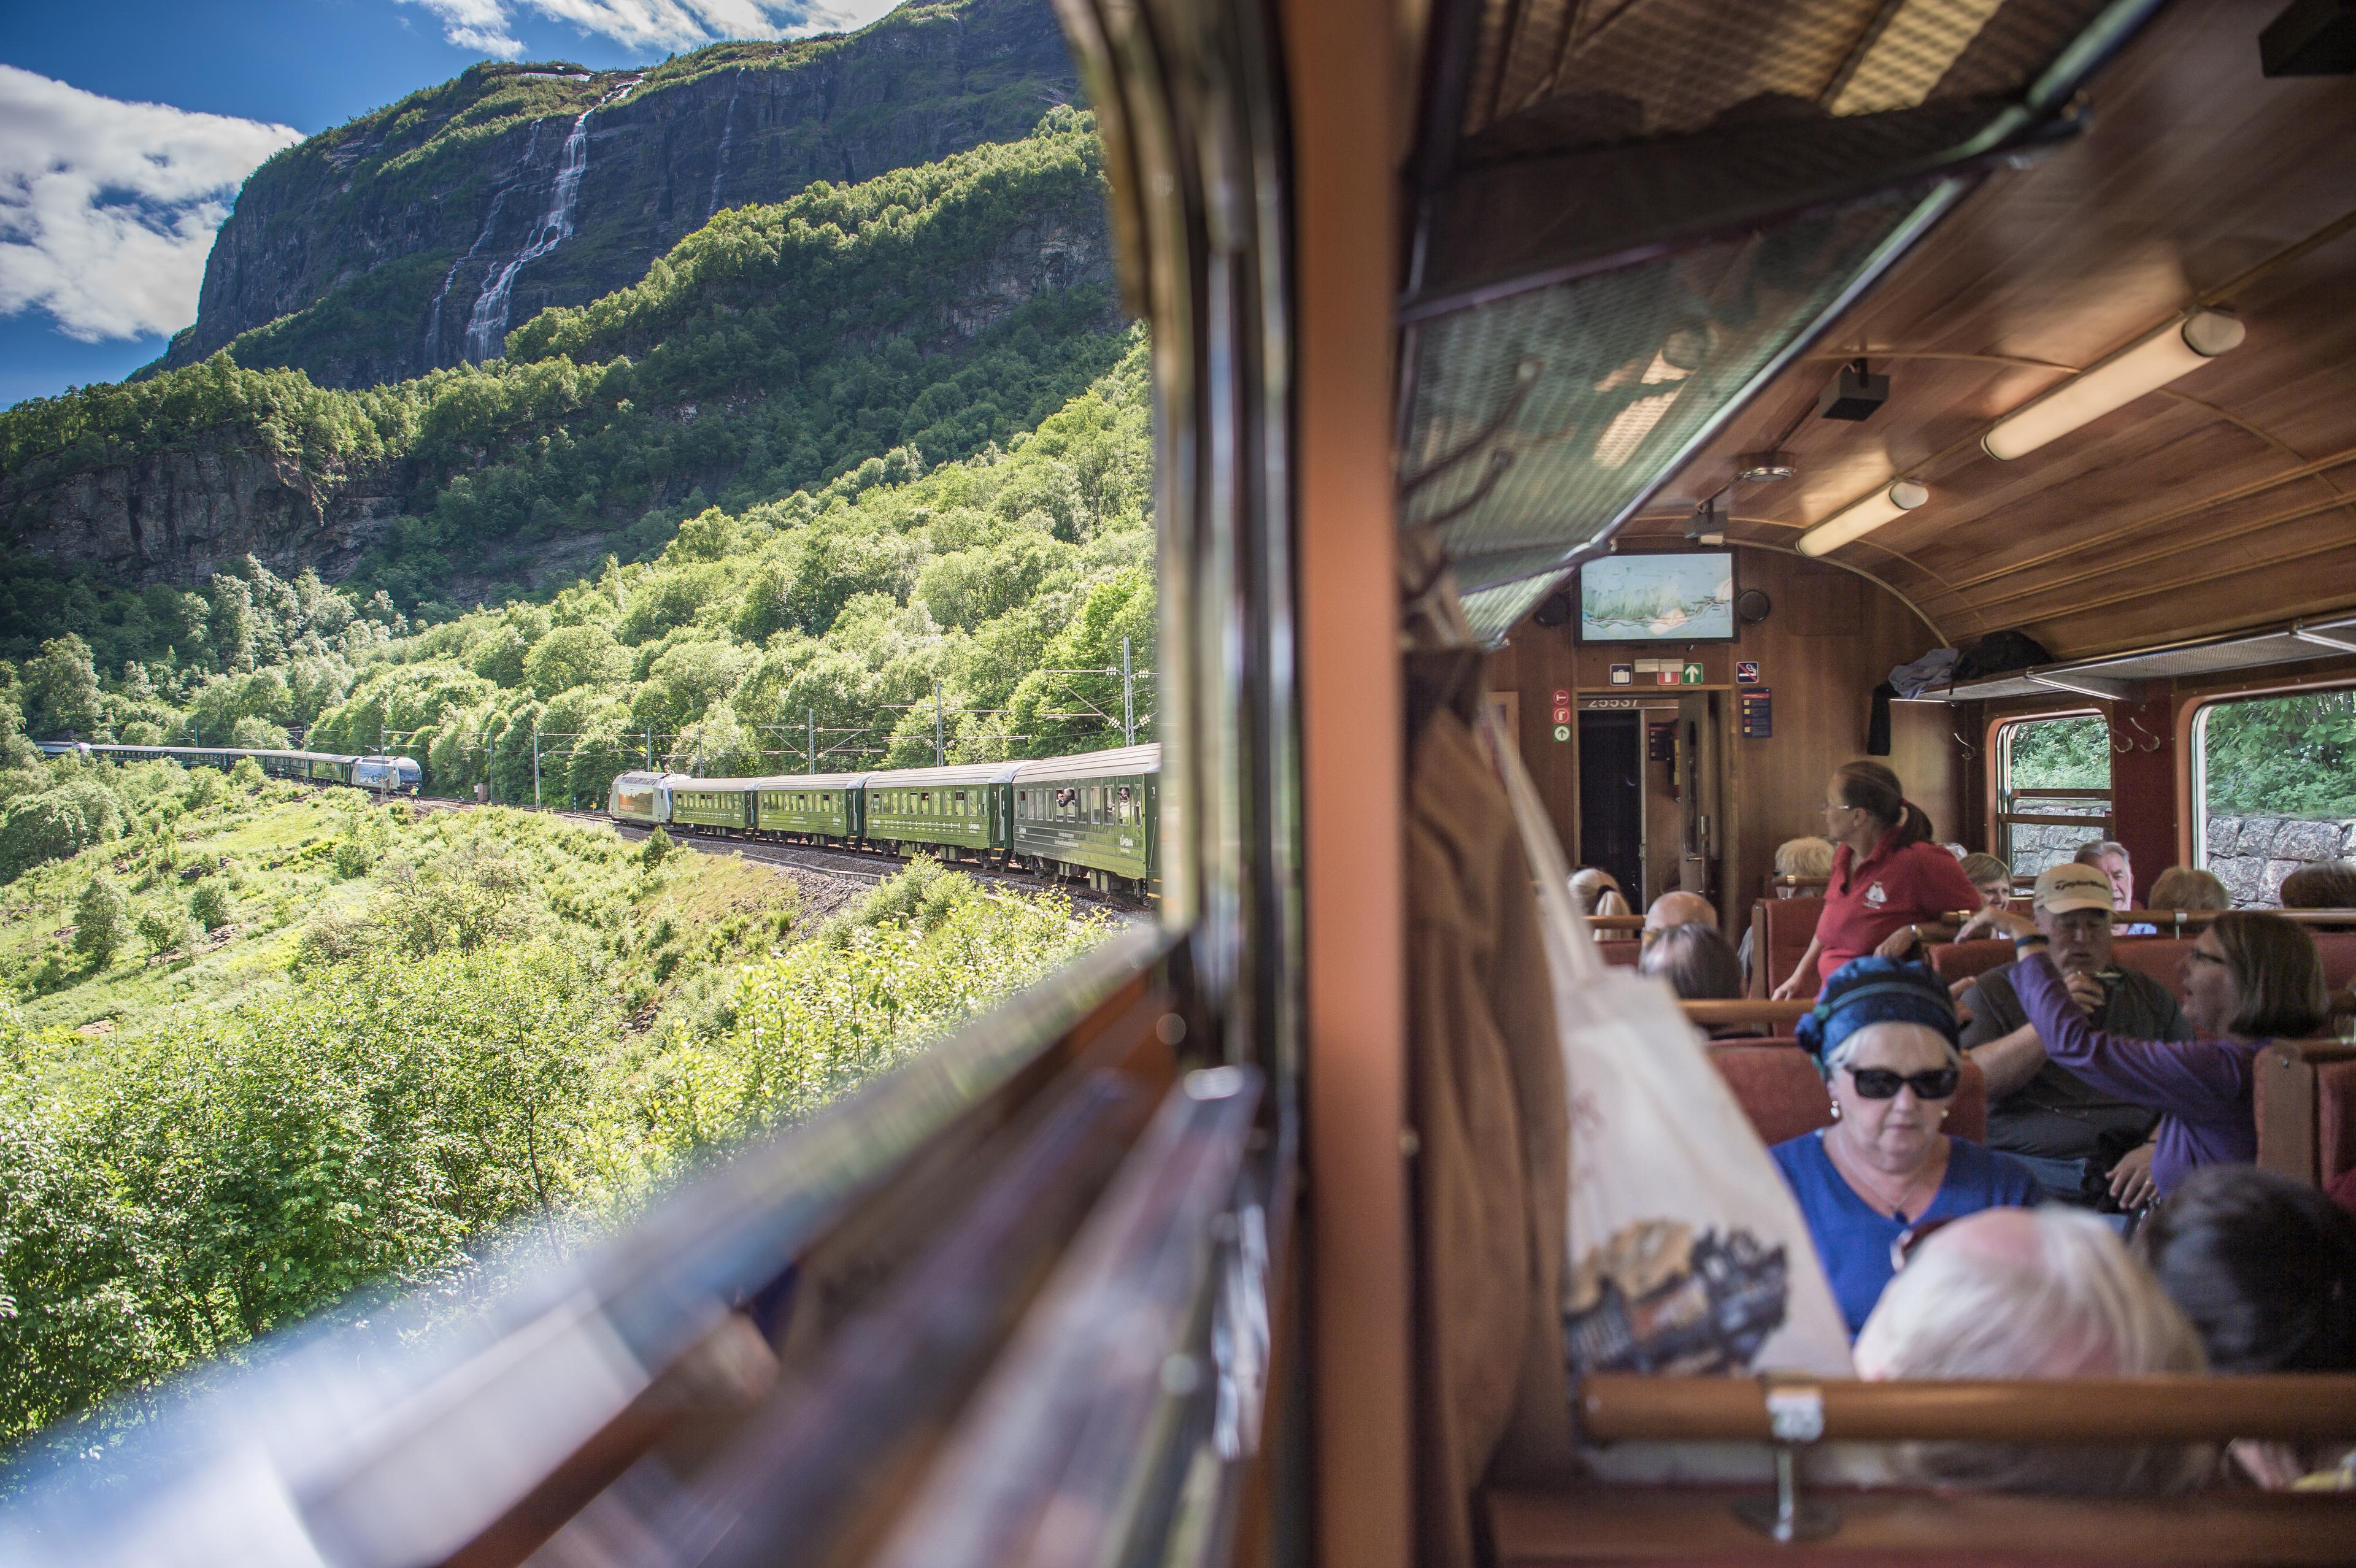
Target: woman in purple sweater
2250 979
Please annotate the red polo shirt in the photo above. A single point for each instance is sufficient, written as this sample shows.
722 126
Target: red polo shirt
1893 888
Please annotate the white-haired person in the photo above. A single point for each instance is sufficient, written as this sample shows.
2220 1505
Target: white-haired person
1884 1035
1595 891
2110 856
2043 1293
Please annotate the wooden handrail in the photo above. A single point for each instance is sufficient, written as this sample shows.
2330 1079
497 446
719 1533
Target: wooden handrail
1601 924
1630 1407
2197 918
1746 1010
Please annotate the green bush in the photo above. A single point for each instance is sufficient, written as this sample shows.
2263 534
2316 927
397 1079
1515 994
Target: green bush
161 927
209 906
101 921
56 824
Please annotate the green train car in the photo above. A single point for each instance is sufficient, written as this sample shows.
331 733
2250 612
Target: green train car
725 804
822 808
1098 814
956 808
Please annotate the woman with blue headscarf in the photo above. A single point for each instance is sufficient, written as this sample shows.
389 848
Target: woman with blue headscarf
1885 1035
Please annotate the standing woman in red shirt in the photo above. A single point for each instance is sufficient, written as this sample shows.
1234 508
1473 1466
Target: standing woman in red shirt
1888 875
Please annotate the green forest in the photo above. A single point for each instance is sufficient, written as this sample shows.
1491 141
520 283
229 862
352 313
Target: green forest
840 610
275 1049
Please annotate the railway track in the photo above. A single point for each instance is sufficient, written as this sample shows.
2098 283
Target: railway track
864 868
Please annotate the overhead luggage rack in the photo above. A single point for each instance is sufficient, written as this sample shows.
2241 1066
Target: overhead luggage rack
2111 677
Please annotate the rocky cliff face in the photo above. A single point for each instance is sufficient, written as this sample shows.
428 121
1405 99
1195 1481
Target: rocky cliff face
418 236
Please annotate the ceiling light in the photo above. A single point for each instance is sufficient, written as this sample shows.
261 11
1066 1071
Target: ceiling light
1703 527
1861 518
1766 467
2143 366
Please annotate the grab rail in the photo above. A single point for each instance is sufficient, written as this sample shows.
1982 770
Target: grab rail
1744 1010
1630 1407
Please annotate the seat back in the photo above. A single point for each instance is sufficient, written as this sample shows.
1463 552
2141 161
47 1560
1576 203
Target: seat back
2160 958
1968 960
1622 951
1784 1095
2337 951
1782 930
2305 1103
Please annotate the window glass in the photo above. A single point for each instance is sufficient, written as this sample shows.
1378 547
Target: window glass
2274 788
2053 790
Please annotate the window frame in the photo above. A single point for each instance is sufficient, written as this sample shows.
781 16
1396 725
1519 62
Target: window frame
2001 814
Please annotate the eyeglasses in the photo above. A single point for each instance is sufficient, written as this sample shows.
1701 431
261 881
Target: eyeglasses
1910 1240
1880 1083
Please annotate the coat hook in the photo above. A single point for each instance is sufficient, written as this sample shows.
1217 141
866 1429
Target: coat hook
2156 742
1968 750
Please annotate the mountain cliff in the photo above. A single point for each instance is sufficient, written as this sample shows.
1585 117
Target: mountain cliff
415 238
935 309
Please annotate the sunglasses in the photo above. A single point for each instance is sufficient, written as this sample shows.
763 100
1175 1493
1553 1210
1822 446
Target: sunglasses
1903 1250
1880 1083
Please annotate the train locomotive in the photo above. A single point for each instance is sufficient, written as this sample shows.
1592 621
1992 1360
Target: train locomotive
1095 816
383 775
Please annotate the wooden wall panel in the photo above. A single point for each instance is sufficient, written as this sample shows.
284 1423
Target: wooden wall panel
1831 638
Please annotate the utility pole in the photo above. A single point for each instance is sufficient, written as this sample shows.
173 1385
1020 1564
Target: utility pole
941 752
535 764
650 750
1128 699
813 740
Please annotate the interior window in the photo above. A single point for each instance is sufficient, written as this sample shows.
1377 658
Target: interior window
2273 785
2053 790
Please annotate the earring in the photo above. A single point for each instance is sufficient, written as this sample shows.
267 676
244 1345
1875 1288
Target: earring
1835 1110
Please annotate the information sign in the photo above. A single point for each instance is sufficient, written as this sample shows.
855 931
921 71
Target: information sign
1693 673
1746 672
1623 675
1758 711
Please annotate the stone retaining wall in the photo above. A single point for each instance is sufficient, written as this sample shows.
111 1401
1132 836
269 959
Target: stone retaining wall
2036 845
2251 855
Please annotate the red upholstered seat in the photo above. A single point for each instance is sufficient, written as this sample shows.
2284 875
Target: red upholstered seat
2335 1121
1784 1095
1968 960
2337 951
1619 950
1787 925
2162 957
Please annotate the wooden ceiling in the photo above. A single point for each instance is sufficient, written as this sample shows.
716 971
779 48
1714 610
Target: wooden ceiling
2225 500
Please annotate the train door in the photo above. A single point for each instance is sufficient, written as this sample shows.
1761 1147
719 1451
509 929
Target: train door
1612 795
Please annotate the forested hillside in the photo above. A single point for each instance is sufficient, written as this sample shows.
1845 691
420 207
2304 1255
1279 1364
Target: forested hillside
841 608
939 308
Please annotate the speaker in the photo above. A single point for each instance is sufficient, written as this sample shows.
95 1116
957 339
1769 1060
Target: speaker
1553 610
1753 606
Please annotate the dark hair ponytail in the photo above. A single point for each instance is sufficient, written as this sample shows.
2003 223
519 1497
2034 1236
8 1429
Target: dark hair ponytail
1875 790
2264 1267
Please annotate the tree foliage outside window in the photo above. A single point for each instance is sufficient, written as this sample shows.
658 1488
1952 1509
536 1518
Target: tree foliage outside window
2281 756
2060 753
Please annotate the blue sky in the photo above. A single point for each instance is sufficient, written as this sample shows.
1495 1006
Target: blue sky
94 276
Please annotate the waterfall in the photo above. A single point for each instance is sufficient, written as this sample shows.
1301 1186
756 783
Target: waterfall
487 327
490 225
727 134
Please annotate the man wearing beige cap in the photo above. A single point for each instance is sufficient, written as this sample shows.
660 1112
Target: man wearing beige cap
2040 1113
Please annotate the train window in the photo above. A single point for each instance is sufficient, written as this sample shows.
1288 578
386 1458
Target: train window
2274 786
2053 789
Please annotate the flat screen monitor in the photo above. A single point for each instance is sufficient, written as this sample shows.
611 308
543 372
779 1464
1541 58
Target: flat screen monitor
1688 597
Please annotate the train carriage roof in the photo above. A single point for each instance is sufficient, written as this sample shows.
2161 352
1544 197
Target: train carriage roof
807 781
1118 762
925 778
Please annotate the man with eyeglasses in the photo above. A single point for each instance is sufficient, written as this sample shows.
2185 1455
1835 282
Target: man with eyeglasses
1673 910
2080 1143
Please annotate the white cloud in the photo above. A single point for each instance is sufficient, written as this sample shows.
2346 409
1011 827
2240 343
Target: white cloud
487 27
107 209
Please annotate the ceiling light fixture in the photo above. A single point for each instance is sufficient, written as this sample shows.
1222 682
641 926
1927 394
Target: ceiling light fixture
1703 527
2143 366
1766 467
1860 518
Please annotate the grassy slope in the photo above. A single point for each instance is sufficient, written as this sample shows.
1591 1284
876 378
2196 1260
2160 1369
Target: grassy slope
417 1032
